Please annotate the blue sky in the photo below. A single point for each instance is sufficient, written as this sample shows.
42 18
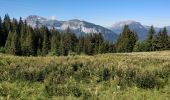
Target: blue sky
101 12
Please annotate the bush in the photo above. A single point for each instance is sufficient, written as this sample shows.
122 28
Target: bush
164 72
75 91
146 80
2 50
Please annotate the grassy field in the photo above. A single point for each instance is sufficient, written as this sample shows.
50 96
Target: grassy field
129 76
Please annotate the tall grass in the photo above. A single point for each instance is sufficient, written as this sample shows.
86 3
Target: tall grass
105 77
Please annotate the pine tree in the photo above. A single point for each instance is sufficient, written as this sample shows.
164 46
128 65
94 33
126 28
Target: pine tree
6 28
23 32
39 48
165 38
14 25
45 45
8 43
150 39
112 48
13 45
1 33
80 46
30 47
63 49
104 48
55 42
89 44
98 41
140 46
20 24
126 40
162 40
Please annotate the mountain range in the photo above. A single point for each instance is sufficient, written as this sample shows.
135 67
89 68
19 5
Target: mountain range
80 27
141 30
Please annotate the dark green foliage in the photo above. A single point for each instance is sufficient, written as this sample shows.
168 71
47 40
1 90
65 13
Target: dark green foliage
55 42
126 40
6 25
1 33
154 42
2 50
140 46
105 74
146 80
13 45
18 38
162 40
46 43
150 39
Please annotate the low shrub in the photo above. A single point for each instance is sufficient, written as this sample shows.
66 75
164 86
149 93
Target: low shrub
146 80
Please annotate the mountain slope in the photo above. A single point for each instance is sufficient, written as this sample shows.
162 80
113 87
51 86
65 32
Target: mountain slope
77 26
134 26
142 30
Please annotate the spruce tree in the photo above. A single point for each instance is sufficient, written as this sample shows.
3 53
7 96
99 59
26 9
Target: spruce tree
6 28
150 39
23 32
8 43
165 38
1 33
30 47
80 46
126 40
13 45
55 42
89 44
45 45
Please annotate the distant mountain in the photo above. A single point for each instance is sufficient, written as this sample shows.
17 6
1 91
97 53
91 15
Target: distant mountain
142 30
79 27
157 29
133 25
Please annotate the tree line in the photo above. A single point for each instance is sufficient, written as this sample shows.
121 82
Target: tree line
18 38
128 41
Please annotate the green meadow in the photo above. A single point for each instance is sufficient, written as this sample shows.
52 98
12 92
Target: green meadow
125 76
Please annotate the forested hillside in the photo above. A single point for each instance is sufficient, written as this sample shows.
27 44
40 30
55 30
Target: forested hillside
18 38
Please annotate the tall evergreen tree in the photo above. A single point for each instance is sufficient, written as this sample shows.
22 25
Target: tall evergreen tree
55 41
14 25
1 33
162 40
13 45
150 39
165 38
30 45
23 32
8 43
98 38
46 43
80 46
126 40
6 28
20 24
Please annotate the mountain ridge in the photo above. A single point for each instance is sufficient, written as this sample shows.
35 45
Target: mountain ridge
141 29
79 27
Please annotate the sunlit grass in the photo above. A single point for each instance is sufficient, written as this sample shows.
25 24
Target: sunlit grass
126 76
